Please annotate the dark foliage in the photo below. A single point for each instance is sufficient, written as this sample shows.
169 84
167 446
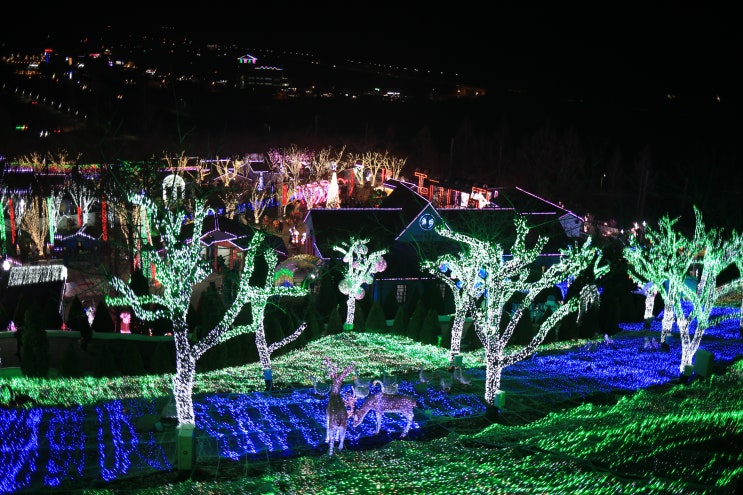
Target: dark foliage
35 351
105 362
430 328
335 322
70 366
359 319
132 363
102 321
415 323
375 320
162 359
400 323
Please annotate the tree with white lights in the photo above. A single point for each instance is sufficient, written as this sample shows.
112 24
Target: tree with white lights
660 263
374 162
259 198
360 269
489 281
36 223
736 237
82 190
716 253
179 265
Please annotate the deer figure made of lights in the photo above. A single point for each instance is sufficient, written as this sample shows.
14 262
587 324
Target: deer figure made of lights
336 413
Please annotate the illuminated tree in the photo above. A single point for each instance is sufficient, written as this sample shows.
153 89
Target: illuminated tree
53 205
736 238
259 199
489 281
82 190
179 266
35 223
228 170
3 236
360 269
716 254
666 255
373 163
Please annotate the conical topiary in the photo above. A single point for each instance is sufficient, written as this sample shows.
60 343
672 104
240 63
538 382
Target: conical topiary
375 321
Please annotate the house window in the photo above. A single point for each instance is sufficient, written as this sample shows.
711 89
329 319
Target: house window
401 293
442 288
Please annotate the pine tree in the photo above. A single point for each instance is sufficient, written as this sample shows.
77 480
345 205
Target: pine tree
314 329
35 350
415 322
77 320
102 321
430 328
52 318
4 318
375 321
334 325
390 305
400 323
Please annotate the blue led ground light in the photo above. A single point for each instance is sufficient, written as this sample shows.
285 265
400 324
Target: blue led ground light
56 447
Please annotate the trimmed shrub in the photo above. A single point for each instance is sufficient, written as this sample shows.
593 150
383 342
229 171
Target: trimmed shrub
335 323
105 363
375 321
430 328
70 367
35 350
132 363
400 323
415 323
102 321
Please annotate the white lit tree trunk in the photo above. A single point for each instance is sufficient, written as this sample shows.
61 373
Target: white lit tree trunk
178 267
490 280
714 253
360 269
660 263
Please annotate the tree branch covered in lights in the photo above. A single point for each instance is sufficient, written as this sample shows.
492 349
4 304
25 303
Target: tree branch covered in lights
35 223
360 269
82 190
259 199
488 282
179 266
666 255
716 253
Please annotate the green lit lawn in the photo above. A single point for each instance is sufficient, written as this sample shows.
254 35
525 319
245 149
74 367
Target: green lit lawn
675 439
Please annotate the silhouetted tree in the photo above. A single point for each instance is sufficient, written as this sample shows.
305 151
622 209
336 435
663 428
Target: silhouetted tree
102 321
430 328
52 318
415 322
400 323
375 321
35 352
335 322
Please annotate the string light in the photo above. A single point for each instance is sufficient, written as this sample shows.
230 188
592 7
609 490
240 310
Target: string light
486 281
360 269
179 268
659 264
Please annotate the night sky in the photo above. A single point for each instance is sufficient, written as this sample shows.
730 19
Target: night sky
695 49
663 76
